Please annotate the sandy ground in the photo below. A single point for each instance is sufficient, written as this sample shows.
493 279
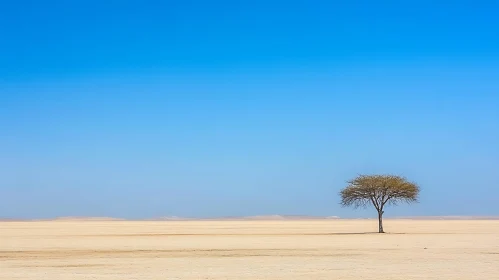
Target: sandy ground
322 249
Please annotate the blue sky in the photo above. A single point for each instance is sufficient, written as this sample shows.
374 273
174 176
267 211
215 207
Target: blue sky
223 108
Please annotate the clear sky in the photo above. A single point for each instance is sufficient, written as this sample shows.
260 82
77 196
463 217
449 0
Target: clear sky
222 108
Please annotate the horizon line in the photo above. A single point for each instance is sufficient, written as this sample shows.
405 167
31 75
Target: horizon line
249 218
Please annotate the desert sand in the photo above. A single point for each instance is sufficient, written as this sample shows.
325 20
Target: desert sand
293 249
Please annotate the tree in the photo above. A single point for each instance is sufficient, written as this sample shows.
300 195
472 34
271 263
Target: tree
380 191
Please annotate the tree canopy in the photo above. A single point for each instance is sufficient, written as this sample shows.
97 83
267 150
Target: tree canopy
379 190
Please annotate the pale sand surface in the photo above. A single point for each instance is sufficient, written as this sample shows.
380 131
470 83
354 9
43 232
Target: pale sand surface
320 249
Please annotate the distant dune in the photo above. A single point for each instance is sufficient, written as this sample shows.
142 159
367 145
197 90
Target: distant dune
288 217
449 218
244 218
87 219
168 218
253 218
10 220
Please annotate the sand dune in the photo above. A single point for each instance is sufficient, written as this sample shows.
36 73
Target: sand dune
449 217
256 218
87 219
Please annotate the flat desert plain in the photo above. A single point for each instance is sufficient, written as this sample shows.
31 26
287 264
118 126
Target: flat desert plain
296 249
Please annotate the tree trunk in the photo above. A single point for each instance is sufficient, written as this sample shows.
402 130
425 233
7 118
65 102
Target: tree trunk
380 221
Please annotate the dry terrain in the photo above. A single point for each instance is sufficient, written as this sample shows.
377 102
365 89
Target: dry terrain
297 249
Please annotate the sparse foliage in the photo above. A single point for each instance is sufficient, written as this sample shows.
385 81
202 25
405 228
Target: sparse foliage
379 190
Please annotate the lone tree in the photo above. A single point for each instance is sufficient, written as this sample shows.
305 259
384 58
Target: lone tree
379 190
